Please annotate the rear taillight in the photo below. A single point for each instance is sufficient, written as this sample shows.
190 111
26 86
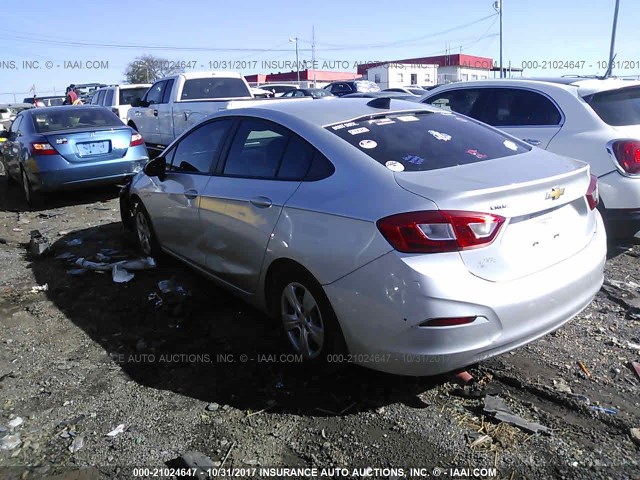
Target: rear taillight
593 197
627 153
43 149
439 231
136 139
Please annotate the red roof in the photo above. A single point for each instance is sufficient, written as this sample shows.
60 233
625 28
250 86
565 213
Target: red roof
459 59
305 75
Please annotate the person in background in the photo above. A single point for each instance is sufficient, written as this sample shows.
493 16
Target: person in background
71 97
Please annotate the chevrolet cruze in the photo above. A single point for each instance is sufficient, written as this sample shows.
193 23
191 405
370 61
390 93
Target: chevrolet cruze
392 234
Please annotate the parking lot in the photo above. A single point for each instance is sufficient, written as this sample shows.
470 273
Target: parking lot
191 369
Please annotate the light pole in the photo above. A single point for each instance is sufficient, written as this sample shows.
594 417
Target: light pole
295 39
497 5
612 55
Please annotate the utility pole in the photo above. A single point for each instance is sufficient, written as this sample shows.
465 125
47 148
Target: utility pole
295 39
497 6
612 55
313 53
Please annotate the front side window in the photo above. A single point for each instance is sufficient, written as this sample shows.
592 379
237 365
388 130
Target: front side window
166 95
426 140
256 150
128 95
154 95
197 151
15 125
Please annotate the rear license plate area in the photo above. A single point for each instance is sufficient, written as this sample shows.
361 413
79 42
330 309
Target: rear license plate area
87 149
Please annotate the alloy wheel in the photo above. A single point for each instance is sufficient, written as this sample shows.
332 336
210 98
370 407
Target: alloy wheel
143 231
302 320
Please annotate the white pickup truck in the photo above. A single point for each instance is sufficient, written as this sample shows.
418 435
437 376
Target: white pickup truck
174 104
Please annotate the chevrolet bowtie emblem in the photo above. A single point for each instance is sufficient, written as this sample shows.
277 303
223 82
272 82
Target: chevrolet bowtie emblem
555 193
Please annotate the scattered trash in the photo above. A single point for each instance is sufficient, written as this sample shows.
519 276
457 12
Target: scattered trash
635 435
584 368
38 244
324 435
16 422
636 368
77 271
463 377
121 275
40 288
138 264
610 411
116 431
633 346
76 444
48 215
481 440
212 407
10 442
561 386
195 460
580 398
74 243
497 406
17 229
155 299
65 256
619 292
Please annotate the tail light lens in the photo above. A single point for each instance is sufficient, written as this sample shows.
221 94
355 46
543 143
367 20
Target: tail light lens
136 140
627 153
593 196
43 149
438 231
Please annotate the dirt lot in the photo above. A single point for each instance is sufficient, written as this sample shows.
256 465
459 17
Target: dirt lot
88 355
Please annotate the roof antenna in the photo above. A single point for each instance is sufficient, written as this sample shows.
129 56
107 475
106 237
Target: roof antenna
612 55
381 102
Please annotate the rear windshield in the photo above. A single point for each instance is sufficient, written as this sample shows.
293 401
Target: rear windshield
202 88
74 117
128 95
617 107
426 140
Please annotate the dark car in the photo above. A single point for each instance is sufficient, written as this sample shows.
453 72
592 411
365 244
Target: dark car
308 92
56 148
396 95
345 88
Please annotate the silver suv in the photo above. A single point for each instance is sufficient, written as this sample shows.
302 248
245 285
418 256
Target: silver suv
118 98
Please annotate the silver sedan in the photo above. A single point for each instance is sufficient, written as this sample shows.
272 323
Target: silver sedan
381 232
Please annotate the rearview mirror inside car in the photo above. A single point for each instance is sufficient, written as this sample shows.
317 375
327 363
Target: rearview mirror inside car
156 168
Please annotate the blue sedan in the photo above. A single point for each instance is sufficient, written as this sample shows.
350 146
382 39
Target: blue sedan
61 148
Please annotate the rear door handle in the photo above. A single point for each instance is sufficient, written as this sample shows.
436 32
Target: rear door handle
532 141
155 112
261 202
191 194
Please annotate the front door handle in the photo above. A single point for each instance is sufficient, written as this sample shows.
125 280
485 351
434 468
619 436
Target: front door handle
532 141
261 202
155 112
191 194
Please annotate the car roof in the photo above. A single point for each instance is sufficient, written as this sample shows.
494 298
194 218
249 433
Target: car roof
321 113
583 85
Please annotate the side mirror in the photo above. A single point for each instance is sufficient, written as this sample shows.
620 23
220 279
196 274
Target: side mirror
156 168
135 102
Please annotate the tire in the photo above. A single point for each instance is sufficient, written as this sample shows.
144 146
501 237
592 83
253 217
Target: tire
306 317
146 238
33 199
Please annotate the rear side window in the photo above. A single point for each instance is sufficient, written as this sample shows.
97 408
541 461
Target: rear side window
617 107
101 95
423 141
201 88
296 160
128 95
461 101
108 101
518 108
256 150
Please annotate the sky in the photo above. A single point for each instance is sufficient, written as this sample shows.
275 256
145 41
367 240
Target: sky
50 45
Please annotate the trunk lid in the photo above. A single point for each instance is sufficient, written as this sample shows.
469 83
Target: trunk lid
85 146
629 131
541 195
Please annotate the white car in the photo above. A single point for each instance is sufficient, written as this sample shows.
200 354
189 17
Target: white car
410 90
591 119
118 98
278 88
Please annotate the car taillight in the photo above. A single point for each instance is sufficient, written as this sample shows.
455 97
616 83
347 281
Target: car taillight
136 139
593 197
43 149
627 153
438 231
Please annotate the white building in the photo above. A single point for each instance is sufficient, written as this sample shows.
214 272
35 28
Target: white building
393 75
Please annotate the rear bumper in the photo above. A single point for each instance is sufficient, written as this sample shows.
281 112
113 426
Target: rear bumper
381 305
47 174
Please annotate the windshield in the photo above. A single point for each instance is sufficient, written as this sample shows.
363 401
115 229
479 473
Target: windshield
93 118
128 95
617 107
203 88
426 140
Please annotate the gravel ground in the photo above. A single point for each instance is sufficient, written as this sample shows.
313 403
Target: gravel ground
88 355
